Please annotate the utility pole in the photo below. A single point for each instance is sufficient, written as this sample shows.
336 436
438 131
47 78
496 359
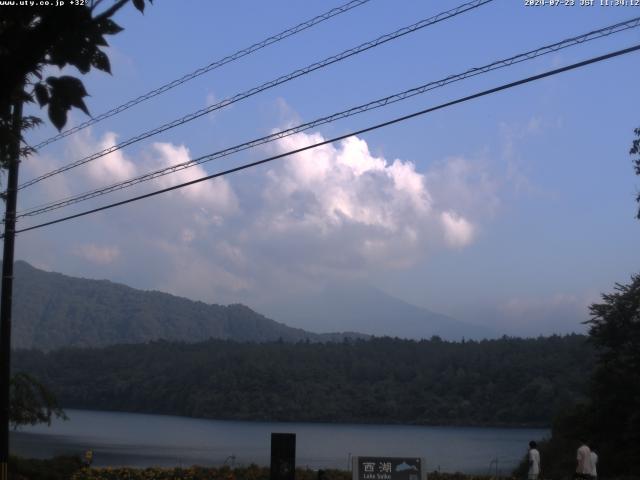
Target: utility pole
13 150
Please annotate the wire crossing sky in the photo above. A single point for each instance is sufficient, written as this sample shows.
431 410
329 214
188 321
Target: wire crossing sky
342 137
530 55
511 211
202 70
267 85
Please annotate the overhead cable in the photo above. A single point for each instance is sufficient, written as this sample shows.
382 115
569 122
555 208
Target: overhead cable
595 34
201 71
341 137
265 86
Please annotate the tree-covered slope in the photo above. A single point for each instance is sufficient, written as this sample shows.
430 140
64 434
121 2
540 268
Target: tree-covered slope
493 382
51 310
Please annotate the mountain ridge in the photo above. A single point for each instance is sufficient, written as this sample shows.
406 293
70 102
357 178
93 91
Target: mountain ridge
52 310
360 307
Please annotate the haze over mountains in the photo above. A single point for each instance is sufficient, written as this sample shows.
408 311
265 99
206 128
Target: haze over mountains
51 310
361 308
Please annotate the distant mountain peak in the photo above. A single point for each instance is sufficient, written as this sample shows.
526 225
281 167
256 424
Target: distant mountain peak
52 310
358 306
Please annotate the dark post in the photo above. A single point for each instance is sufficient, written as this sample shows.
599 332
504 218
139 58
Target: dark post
7 287
283 456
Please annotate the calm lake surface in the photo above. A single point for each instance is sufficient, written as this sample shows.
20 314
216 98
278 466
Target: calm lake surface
129 439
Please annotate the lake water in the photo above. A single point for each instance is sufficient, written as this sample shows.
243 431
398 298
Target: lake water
128 439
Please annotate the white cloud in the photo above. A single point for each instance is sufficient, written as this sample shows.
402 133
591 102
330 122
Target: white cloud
458 231
337 210
113 167
100 255
215 198
58 186
345 209
332 186
463 186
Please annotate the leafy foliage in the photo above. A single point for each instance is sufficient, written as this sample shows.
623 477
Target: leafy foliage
635 150
615 396
58 468
37 36
71 468
31 38
31 402
65 468
252 472
493 382
609 418
557 454
62 93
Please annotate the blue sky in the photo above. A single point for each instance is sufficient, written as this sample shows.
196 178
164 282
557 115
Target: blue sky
515 210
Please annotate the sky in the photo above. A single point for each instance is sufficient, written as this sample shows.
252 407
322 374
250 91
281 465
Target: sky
514 211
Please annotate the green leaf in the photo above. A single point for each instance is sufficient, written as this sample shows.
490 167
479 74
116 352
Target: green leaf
69 86
30 121
31 402
26 97
42 94
65 92
81 59
101 61
109 27
139 4
100 41
79 103
57 115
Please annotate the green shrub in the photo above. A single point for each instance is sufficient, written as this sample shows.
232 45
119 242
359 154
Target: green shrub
58 468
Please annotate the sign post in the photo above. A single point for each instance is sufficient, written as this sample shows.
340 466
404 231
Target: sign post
389 468
283 456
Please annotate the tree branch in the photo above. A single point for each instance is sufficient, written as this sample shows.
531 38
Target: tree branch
110 11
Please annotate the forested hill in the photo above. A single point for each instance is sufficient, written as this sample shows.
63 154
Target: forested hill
507 381
51 310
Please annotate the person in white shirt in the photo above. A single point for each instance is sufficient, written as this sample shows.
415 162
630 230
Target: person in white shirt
534 461
583 458
594 462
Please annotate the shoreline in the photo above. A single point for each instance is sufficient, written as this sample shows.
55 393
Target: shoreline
373 423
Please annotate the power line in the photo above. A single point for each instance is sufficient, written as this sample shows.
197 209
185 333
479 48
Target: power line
602 32
267 85
212 66
483 93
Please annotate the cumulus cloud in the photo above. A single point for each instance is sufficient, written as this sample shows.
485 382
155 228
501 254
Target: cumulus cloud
55 187
463 187
215 197
113 167
358 211
355 209
457 231
346 184
337 210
